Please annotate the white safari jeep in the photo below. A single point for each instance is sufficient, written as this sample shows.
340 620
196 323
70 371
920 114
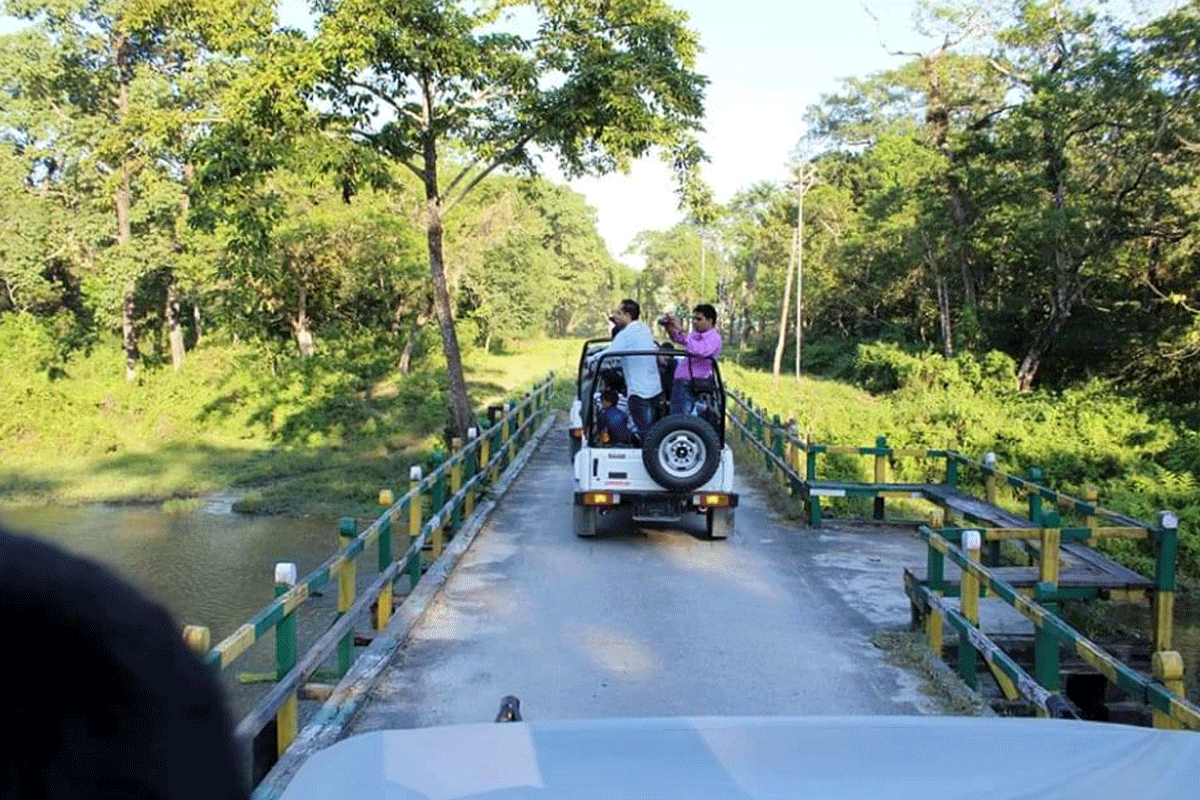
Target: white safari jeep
681 466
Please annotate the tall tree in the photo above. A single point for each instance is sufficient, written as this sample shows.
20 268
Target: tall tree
437 83
106 93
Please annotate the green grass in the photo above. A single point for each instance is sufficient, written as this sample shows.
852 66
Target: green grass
322 436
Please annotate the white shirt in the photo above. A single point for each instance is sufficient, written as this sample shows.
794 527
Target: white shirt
641 372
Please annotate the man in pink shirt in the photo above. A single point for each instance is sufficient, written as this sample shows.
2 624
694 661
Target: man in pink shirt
703 341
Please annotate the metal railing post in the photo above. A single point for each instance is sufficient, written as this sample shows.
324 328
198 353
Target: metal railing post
1167 667
1035 499
951 465
287 717
485 456
777 446
347 589
437 501
415 503
968 661
989 488
1091 496
198 638
456 481
469 500
810 459
383 606
1166 547
935 568
510 423
881 461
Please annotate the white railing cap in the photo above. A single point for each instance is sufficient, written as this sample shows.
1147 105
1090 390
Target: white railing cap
285 573
971 540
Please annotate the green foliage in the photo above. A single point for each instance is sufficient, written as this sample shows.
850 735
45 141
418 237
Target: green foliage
886 367
323 433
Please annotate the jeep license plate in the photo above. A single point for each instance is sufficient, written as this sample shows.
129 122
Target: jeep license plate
653 508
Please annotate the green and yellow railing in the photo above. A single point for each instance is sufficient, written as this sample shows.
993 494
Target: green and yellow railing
793 461
1162 692
429 513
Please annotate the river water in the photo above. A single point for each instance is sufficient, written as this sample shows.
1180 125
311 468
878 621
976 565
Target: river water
212 568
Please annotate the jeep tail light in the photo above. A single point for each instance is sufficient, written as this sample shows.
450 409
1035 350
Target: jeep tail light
577 433
601 498
711 500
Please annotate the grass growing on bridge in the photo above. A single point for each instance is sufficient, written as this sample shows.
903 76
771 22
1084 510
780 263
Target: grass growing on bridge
316 436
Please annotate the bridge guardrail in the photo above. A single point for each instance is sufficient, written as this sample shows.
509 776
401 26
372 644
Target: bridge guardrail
771 435
1043 537
1163 692
468 469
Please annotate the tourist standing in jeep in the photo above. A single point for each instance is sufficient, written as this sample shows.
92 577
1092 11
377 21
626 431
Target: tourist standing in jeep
641 372
704 342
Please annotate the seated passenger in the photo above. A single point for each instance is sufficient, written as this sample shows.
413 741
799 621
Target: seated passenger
612 423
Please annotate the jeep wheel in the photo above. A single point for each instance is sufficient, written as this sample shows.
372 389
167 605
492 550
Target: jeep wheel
718 523
681 452
585 521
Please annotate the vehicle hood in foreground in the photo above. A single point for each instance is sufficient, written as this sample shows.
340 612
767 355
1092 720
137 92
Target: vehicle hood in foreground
738 758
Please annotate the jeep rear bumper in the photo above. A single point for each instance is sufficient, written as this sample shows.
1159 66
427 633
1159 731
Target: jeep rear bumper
658 505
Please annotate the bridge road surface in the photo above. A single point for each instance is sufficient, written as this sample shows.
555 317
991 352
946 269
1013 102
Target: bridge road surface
652 621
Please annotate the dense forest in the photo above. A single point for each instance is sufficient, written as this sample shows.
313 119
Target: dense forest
1029 184
177 170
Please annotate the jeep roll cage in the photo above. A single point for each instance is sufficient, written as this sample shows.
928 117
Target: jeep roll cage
587 380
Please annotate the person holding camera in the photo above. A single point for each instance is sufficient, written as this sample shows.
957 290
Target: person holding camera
702 344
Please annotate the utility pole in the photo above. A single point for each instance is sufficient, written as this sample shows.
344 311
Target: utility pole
806 178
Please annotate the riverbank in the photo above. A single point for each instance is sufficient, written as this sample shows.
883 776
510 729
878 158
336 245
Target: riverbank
291 437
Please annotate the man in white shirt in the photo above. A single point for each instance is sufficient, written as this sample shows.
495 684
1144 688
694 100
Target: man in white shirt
641 372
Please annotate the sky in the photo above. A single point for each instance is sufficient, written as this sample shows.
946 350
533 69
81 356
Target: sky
767 61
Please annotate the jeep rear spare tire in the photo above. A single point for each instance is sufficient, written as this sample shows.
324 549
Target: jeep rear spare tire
681 452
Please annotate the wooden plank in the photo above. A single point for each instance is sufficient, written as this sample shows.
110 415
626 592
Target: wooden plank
1075 577
1117 575
1101 562
847 486
973 507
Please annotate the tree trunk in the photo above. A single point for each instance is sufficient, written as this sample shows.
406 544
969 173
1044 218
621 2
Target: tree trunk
943 298
958 206
300 326
784 308
122 200
174 328
174 301
197 322
405 363
460 401
1042 341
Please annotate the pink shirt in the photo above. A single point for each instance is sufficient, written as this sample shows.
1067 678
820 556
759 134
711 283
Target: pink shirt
698 344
